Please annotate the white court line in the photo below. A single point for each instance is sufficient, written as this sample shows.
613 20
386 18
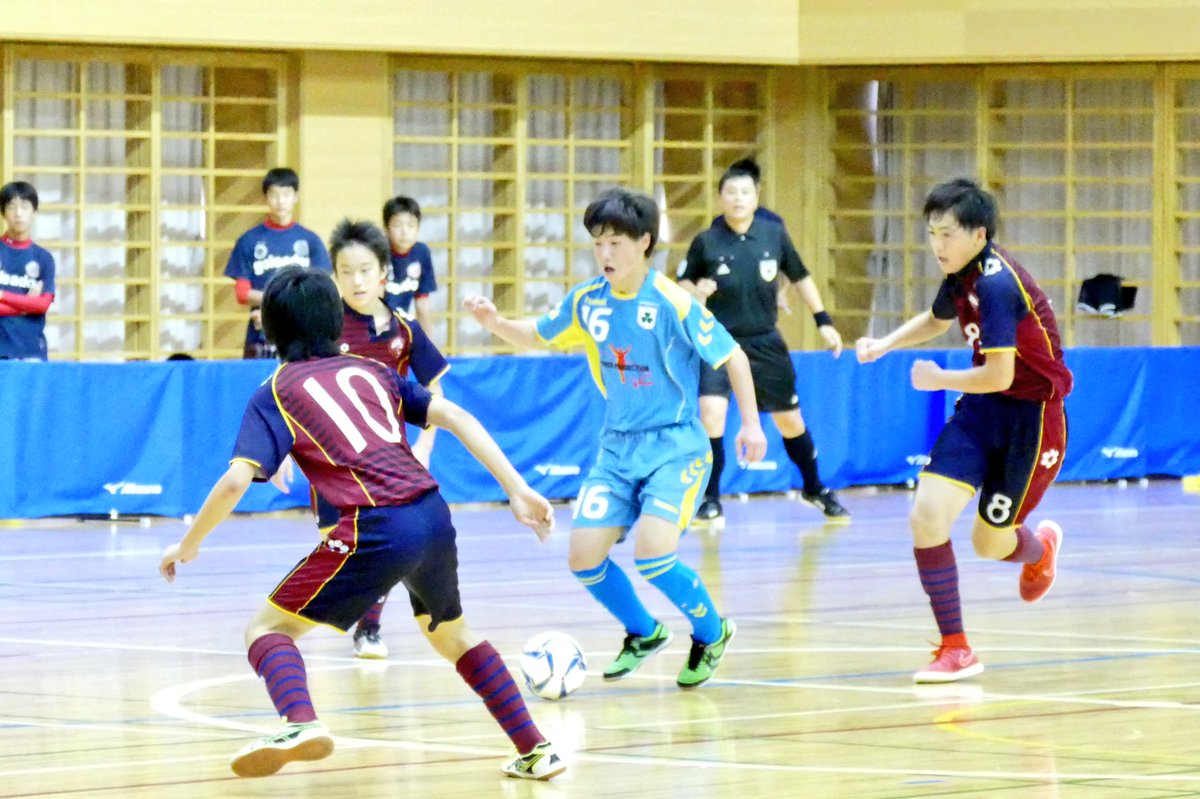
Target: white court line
169 702
152 728
103 765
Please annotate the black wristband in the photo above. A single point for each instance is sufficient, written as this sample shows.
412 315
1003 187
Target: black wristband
823 318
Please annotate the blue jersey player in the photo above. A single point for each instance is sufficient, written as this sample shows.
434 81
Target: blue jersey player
342 418
645 339
278 242
1009 431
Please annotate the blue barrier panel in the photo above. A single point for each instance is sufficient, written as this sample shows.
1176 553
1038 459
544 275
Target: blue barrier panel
152 438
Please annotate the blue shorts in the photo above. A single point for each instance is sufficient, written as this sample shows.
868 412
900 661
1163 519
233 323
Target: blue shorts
658 472
369 552
1010 449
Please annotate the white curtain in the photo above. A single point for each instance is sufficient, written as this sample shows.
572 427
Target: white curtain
181 216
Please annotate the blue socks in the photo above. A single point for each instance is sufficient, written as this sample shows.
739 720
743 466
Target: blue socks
683 587
612 589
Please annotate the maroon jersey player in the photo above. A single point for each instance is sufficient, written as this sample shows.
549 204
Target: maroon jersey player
1008 434
342 418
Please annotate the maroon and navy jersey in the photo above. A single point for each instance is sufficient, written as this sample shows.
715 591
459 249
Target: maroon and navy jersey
342 419
1000 307
403 346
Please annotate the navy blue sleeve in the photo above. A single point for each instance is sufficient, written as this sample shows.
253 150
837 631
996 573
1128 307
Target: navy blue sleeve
766 213
414 399
943 303
1001 308
428 283
425 360
264 439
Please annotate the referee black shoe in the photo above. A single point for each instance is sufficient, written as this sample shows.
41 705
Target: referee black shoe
827 502
710 512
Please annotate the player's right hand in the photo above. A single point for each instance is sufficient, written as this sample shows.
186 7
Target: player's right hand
176 553
869 349
751 444
532 510
705 287
483 309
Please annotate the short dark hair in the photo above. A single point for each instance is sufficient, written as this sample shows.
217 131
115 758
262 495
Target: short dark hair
742 168
362 232
401 205
281 176
302 313
971 205
18 190
625 212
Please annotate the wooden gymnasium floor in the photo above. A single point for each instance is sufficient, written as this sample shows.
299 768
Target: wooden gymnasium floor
117 684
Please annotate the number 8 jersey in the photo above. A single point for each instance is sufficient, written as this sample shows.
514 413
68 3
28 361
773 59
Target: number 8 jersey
342 419
644 349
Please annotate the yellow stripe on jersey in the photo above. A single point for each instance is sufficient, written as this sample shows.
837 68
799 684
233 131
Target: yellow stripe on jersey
675 294
1029 306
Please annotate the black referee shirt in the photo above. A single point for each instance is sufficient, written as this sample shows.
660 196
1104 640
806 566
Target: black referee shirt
745 267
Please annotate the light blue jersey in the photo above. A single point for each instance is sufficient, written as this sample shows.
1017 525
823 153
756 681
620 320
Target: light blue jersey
644 349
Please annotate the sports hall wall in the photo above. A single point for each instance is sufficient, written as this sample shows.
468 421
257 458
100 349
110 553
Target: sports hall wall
147 127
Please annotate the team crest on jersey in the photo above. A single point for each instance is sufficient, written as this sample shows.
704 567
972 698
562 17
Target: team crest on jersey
260 250
647 315
397 346
33 270
723 269
768 268
413 269
300 248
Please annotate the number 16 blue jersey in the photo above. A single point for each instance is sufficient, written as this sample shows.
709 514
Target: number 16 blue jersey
644 349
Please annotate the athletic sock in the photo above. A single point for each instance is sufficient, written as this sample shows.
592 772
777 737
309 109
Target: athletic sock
611 587
803 453
483 669
683 586
939 577
275 658
1029 547
713 489
370 619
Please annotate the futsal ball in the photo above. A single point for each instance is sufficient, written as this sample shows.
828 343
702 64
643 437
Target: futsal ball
553 664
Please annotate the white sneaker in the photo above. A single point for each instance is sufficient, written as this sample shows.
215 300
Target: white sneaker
368 645
309 741
541 764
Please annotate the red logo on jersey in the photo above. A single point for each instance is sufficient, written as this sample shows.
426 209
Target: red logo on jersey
620 355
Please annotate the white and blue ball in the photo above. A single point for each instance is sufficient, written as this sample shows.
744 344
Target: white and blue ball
553 664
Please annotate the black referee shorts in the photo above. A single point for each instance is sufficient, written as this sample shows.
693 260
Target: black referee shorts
771 367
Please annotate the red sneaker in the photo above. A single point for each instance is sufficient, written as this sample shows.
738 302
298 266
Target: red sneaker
1036 578
950 664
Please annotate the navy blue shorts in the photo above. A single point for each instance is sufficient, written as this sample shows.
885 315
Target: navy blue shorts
369 552
1011 449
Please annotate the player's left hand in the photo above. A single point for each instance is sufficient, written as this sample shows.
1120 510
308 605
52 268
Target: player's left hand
926 376
176 553
833 339
532 510
751 444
